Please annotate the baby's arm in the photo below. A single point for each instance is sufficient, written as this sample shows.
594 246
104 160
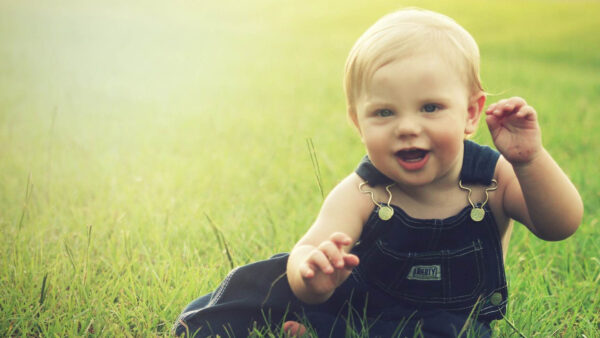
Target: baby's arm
537 192
320 261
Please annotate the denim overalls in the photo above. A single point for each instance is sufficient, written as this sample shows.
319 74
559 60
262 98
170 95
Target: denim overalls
414 274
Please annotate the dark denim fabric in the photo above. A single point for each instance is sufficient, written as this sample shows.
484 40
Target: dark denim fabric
419 275
255 293
448 264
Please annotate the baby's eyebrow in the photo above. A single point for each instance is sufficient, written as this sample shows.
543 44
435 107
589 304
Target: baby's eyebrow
377 104
435 99
440 96
378 107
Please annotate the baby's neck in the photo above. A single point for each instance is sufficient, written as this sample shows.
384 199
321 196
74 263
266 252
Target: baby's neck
428 193
430 201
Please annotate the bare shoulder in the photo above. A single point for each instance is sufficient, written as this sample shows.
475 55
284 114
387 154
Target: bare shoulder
348 194
345 210
504 175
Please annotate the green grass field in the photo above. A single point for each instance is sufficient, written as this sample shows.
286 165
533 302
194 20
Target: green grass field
126 128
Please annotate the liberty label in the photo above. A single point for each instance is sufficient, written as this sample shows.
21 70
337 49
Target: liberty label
425 272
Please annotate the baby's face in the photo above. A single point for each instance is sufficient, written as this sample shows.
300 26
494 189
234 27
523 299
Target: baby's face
412 118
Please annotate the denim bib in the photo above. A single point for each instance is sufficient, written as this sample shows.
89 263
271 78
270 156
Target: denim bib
453 264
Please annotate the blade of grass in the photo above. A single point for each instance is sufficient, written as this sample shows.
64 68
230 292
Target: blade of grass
43 291
221 240
87 253
28 190
70 255
315 163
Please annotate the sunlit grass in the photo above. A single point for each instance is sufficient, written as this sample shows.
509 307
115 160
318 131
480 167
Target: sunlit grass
125 126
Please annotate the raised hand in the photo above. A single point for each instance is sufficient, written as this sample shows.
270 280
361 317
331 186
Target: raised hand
515 130
328 265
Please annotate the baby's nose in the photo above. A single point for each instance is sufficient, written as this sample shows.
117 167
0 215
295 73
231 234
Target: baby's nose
408 126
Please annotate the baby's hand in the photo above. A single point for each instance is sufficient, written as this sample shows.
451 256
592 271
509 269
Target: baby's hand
328 265
515 130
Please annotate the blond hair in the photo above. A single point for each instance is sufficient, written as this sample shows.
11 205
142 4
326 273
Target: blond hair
405 33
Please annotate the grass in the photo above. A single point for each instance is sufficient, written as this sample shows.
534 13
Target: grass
130 131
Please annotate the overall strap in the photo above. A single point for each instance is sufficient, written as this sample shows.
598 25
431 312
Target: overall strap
367 171
479 164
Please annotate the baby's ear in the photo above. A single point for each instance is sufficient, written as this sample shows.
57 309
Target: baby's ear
476 104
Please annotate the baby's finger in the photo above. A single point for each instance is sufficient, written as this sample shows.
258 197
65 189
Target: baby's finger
306 271
497 109
490 109
333 253
516 101
351 261
340 239
506 106
319 261
503 107
527 112
512 105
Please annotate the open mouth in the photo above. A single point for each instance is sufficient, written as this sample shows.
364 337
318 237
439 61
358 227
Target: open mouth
412 155
412 159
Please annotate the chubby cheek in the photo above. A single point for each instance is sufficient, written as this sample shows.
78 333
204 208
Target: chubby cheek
449 142
375 141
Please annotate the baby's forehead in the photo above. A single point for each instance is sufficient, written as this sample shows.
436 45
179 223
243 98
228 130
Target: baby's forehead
425 67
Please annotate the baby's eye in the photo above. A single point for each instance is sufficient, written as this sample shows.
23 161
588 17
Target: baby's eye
430 108
384 112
